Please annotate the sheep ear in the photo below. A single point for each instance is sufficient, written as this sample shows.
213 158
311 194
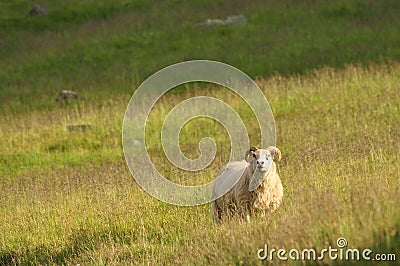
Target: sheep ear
276 153
249 153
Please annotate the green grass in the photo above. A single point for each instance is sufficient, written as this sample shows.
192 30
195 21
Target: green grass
91 46
330 71
338 132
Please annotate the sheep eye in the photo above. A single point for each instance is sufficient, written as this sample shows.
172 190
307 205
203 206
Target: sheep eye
254 156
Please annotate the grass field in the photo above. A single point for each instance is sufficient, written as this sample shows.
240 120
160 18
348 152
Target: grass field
330 72
100 49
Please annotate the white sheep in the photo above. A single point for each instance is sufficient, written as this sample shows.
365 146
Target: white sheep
258 189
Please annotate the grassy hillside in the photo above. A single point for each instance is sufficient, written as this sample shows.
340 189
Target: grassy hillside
107 47
67 197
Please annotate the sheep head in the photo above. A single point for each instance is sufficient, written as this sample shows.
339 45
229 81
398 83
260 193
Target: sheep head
260 161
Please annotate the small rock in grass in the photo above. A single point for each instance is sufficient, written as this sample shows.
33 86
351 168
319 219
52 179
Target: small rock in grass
38 10
239 19
80 128
65 96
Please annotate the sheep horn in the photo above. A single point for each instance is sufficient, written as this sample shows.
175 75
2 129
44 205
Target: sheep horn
251 150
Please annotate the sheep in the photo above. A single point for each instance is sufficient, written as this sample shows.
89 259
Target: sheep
259 189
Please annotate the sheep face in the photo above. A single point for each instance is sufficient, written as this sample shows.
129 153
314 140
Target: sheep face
261 160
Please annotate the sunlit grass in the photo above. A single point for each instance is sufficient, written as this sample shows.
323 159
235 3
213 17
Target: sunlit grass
68 197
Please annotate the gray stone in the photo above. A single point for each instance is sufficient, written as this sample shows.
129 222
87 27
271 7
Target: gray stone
239 19
80 128
38 10
65 96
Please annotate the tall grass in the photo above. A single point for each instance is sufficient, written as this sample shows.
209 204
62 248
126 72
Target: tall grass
67 197
337 129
